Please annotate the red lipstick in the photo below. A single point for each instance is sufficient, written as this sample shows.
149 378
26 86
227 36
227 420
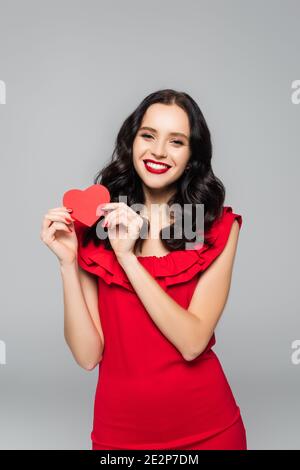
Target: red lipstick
158 168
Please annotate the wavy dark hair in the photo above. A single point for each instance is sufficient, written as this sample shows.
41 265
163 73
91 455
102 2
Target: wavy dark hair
196 185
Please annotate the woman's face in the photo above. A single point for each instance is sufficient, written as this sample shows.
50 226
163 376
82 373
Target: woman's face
163 137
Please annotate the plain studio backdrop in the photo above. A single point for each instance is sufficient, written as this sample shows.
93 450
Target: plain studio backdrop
73 71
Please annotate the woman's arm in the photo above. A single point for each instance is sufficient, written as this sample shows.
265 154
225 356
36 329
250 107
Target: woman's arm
82 328
188 329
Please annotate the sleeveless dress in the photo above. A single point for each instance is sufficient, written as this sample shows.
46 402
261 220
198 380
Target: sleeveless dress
148 396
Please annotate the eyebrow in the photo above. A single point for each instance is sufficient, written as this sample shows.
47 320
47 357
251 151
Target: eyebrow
155 131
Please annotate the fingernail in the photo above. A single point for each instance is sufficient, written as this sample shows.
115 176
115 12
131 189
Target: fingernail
70 210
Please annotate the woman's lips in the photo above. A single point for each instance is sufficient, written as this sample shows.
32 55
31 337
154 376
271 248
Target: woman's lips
149 168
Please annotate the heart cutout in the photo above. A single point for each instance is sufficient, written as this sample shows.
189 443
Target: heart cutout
85 203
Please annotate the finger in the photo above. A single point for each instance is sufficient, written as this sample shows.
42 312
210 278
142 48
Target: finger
48 235
48 223
117 221
108 210
110 218
58 218
132 227
62 208
121 210
45 224
113 205
116 218
58 226
61 212
51 217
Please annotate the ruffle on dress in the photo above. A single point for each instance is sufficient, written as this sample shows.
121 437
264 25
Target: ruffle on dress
175 267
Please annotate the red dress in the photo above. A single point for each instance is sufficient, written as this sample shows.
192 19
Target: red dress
148 396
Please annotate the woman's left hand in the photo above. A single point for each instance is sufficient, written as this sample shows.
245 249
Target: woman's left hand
124 227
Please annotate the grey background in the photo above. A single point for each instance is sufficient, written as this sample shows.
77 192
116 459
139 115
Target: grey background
74 70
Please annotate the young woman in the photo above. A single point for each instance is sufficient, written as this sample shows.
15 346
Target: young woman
144 308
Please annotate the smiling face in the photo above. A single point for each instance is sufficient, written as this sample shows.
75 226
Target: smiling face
163 138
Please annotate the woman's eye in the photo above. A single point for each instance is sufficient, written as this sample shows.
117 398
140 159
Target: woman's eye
175 141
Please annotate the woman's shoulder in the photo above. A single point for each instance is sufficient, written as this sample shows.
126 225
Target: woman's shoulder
222 225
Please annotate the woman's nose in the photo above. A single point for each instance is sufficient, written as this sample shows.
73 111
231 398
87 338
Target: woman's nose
159 150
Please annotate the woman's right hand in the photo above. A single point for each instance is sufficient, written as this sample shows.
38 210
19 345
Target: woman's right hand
58 233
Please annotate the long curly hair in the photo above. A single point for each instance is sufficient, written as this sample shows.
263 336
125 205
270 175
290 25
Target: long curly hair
196 185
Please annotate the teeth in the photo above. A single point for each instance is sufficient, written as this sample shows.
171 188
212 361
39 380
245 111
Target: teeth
157 166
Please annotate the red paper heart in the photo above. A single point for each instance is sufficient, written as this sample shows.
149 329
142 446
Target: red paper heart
85 204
